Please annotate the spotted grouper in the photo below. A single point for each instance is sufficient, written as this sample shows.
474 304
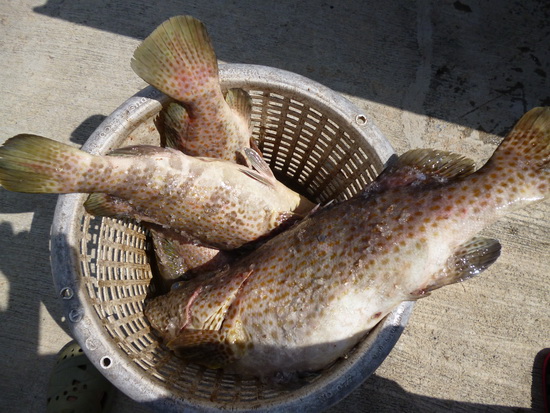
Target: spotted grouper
216 202
177 255
200 122
178 59
307 296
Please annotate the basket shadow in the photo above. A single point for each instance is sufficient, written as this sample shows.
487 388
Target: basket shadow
454 62
384 396
28 286
25 261
21 270
83 131
388 396
26 289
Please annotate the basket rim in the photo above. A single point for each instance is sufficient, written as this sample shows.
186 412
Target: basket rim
86 328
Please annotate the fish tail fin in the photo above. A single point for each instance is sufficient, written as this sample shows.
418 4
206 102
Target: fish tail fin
33 164
178 59
523 157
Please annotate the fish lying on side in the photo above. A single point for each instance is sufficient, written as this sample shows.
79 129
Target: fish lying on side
176 253
204 124
178 59
173 124
215 202
178 256
308 295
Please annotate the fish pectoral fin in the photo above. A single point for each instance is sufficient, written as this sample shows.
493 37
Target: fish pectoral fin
240 103
469 260
205 347
105 205
260 171
170 255
423 166
255 146
172 123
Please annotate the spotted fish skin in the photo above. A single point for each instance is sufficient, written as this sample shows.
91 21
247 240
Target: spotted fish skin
179 60
216 202
307 296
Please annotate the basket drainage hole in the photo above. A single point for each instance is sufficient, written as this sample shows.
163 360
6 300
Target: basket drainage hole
106 362
66 293
361 120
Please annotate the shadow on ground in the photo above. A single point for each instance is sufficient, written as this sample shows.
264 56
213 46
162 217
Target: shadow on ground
386 396
22 252
410 55
383 395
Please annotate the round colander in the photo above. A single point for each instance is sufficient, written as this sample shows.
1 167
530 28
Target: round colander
316 142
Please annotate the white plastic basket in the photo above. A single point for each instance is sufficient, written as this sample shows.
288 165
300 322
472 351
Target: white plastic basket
315 141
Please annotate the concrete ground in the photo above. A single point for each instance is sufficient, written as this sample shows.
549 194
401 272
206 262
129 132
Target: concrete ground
452 75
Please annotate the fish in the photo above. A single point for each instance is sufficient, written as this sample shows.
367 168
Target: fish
204 123
216 202
178 256
305 298
178 59
173 123
200 121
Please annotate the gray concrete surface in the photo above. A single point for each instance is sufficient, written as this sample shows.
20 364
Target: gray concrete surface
452 75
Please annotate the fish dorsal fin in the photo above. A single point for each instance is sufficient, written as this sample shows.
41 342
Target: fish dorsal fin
437 163
105 205
423 166
240 103
178 59
172 123
139 150
470 259
259 169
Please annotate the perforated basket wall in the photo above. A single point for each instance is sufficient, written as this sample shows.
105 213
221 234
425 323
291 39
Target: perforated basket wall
316 142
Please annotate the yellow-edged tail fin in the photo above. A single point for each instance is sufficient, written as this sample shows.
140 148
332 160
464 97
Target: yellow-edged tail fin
524 155
33 164
178 59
